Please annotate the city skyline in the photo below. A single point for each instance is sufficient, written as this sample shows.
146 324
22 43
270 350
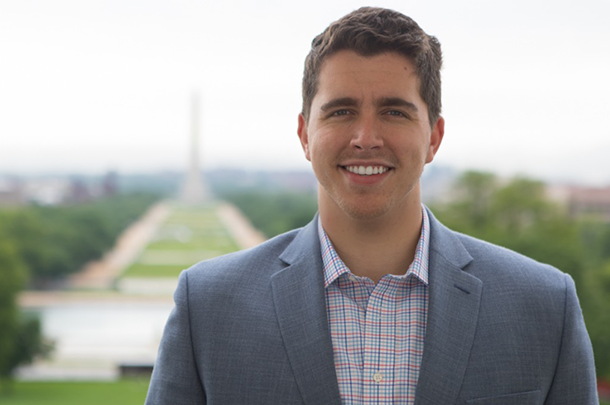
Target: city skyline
88 87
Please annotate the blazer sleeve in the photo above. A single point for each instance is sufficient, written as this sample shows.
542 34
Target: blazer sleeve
175 379
574 381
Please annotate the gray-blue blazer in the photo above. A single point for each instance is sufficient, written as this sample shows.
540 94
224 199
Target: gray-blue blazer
251 328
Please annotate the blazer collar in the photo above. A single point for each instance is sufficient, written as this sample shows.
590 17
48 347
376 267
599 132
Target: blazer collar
453 313
300 305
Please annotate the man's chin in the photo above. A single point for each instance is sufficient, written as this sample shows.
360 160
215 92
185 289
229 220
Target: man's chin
365 212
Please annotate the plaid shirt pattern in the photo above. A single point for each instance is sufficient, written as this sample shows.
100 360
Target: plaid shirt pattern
377 330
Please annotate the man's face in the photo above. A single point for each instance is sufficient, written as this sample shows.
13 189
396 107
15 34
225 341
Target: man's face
368 136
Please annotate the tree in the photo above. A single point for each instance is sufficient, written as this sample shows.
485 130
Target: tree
518 215
20 337
58 240
13 279
276 212
595 309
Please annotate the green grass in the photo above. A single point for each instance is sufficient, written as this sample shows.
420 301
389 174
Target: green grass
188 236
210 242
154 271
123 392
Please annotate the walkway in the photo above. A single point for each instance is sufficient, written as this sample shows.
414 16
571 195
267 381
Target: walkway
239 226
101 274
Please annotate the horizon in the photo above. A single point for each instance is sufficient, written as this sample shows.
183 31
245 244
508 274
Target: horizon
444 170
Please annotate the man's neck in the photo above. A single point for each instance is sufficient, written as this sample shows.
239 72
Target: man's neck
375 247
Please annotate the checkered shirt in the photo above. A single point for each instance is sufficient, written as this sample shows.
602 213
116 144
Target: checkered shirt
377 330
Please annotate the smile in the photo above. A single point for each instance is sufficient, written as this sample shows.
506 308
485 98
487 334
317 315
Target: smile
366 170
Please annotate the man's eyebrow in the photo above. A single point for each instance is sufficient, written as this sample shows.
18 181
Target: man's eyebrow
397 102
339 102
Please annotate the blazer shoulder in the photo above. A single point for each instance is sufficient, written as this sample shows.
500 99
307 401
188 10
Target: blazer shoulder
497 264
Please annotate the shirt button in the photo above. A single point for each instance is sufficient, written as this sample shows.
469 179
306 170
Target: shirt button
353 278
378 377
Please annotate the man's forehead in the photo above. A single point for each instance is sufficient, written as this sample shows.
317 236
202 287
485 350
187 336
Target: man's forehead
348 59
349 68
382 78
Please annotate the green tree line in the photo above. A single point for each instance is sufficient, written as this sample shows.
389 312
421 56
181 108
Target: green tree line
518 215
39 244
274 212
54 241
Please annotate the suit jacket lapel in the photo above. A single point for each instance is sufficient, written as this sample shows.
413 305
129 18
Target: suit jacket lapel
452 319
300 305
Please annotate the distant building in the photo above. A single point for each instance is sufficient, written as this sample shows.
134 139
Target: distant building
437 184
56 190
293 181
79 193
583 202
48 191
110 184
11 191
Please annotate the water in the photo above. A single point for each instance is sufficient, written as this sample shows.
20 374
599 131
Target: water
92 339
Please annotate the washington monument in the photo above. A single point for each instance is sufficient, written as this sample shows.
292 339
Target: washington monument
194 190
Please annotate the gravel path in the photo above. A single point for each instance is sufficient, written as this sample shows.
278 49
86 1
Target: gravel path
101 274
240 228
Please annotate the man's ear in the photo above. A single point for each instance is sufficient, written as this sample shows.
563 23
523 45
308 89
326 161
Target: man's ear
303 136
438 131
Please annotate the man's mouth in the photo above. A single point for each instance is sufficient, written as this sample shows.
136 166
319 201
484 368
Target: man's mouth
366 170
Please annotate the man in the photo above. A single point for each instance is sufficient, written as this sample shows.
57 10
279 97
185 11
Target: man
374 302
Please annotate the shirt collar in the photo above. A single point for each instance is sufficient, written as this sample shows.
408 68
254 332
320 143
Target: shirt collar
334 266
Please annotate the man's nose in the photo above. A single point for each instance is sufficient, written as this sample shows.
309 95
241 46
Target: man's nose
367 134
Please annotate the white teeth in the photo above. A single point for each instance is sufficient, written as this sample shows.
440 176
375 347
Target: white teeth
368 170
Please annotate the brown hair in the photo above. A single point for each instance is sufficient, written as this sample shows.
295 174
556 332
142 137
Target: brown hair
370 31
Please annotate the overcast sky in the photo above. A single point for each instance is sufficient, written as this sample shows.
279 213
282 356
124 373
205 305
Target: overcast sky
89 86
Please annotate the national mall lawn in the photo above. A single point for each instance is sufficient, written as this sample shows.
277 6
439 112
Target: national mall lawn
122 392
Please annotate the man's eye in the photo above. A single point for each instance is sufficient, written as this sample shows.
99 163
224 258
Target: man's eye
340 112
396 113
